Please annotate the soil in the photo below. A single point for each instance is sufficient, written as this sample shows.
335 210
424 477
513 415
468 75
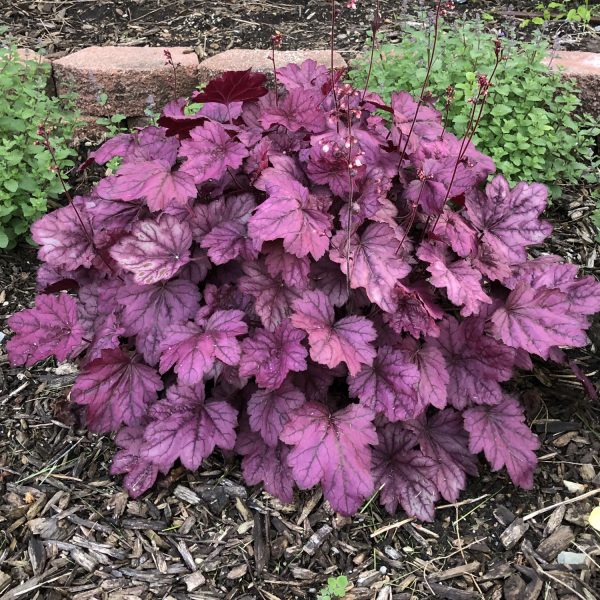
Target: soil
61 26
67 530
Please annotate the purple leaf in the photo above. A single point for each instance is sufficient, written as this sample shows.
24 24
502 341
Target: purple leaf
155 250
328 278
476 363
116 388
501 433
332 449
443 438
434 377
210 152
316 380
51 328
273 298
153 180
176 122
119 145
270 410
582 293
65 240
193 347
347 340
295 216
229 241
270 356
307 75
509 219
415 311
114 215
140 473
537 319
293 270
389 385
299 109
461 280
233 86
149 310
406 474
184 426
375 261
226 227
266 463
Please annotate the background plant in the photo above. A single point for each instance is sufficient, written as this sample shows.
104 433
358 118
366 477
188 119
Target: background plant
531 129
27 178
570 10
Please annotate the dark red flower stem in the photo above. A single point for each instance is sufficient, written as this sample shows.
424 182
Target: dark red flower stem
331 48
436 30
56 169
480 100
374 28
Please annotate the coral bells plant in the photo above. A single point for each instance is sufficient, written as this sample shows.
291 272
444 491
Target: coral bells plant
338 298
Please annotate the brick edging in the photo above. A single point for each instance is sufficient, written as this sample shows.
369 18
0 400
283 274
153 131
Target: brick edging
130 79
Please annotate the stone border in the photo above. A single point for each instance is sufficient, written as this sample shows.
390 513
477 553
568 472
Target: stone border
130 80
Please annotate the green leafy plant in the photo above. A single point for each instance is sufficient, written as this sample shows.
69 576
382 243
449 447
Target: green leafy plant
335 588
557 11
530 127
27 169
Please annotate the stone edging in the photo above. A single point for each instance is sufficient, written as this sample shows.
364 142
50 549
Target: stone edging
129 80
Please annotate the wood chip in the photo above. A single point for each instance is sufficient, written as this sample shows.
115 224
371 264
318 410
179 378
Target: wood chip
514 587
558 541
194 581
37 555
368 578
238 572
503 515
316 539
513 533
555 519
451 593
187 495
83 559
188 559
471 567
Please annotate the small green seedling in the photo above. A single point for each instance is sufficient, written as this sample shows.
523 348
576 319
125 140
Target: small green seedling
335 588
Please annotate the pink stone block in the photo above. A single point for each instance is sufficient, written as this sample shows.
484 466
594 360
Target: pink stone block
131 79
584 68
575 63
260 60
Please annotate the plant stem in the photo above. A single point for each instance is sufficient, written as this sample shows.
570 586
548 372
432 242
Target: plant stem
374 28
427 76
331 47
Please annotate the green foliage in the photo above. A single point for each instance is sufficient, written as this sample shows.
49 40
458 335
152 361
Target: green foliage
529 126
335 588
566 10
26 179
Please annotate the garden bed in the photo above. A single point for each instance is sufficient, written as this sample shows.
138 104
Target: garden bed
69 531
61 26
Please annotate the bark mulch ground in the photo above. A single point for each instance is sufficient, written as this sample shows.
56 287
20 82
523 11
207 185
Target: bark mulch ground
67 530
60 26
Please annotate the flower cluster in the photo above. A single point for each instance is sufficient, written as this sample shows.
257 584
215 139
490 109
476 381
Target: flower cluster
338 298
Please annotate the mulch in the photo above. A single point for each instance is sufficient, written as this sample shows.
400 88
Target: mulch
67 529
61 26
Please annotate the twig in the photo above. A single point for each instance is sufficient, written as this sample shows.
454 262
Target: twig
540 511
392 526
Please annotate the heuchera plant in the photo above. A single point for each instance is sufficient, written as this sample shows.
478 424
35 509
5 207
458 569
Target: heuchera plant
338 300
